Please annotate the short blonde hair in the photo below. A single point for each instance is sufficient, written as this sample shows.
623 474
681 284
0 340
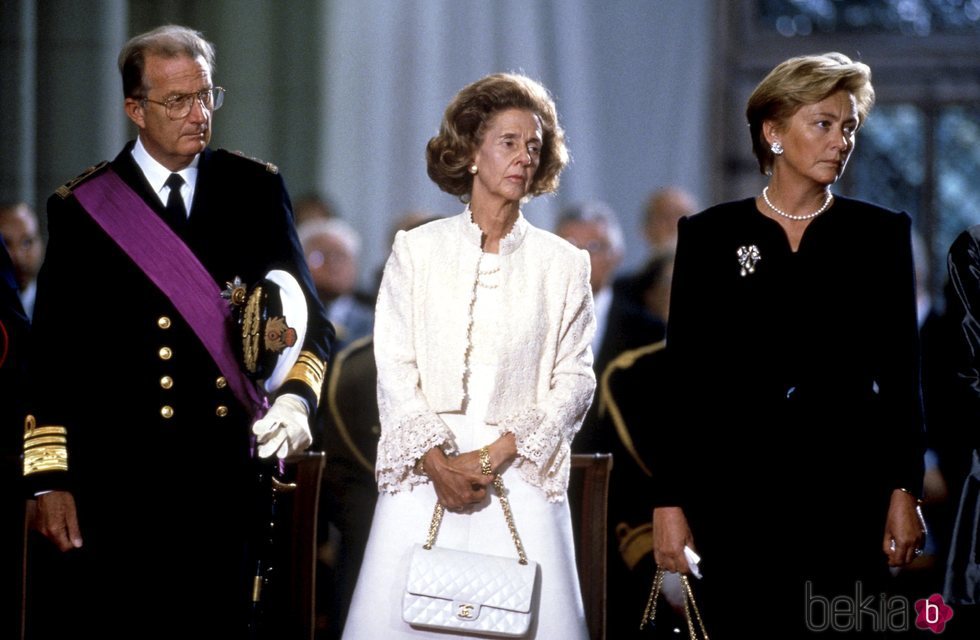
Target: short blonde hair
450 152
801 81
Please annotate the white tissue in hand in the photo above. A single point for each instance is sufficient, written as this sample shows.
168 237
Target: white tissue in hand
692 560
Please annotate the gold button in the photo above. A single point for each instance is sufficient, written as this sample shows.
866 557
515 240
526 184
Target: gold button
165 353
167 411
221 411
163 322
166 382
221 383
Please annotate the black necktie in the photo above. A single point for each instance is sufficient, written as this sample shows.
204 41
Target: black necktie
176 212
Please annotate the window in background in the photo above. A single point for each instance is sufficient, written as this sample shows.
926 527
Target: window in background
899 17
957 171
926 162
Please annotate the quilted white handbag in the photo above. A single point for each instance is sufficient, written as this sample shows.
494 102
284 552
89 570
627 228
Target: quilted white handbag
467 592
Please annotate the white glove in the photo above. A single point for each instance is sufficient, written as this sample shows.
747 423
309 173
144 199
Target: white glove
285 429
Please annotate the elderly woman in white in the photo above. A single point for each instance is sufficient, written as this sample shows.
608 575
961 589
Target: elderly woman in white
482 343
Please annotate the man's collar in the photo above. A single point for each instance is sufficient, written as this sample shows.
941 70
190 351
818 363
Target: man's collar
156 174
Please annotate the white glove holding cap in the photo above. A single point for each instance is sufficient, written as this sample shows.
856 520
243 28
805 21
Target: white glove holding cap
285 429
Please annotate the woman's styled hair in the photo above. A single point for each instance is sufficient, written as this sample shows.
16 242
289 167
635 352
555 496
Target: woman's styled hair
801 81
450 153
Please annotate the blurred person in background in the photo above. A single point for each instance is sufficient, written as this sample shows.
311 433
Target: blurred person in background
664 208
19 230
14 334
962 580
312 206
592 226
332 249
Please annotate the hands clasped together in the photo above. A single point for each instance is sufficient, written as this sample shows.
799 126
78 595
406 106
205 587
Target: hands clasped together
459 481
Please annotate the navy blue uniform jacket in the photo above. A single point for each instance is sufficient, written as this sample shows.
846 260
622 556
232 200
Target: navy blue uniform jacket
157 445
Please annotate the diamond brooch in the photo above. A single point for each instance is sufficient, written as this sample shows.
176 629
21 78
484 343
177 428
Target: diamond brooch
748 256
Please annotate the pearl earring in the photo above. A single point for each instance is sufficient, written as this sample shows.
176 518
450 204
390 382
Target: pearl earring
473 169
776 148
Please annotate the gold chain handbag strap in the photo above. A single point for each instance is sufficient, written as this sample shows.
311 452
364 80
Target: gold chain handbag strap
650 612
498 484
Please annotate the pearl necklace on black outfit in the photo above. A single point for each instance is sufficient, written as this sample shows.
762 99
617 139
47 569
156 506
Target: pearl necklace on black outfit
826 203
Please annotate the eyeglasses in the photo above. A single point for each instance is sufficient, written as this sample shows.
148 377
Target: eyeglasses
180 106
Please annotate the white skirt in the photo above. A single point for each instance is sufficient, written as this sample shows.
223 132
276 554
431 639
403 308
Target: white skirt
402 519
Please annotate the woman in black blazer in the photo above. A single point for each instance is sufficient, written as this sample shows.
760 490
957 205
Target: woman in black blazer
794 350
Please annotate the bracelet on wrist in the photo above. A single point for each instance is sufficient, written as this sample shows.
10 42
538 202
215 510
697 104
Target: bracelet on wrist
485 467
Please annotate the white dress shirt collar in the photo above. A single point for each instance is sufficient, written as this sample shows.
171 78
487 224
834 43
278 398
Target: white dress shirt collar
156 174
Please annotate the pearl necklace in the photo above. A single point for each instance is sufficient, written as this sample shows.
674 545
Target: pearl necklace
826 203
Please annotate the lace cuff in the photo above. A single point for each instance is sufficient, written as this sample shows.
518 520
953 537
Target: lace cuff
534 443
544 453
401 446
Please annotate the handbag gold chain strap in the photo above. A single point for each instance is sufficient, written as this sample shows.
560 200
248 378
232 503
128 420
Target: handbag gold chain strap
650 613
498 484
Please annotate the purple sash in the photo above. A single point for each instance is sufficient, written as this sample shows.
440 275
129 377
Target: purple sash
174 269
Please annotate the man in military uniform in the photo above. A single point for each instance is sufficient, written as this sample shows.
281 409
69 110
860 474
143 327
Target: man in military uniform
631 401
139 444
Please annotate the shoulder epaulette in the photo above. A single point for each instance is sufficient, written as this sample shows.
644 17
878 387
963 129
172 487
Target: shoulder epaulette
271 168
65 190
607 401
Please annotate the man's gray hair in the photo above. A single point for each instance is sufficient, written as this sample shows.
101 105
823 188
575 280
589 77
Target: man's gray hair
336 227
168 41
595 211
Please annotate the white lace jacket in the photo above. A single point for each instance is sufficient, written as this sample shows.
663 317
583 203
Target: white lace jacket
544 380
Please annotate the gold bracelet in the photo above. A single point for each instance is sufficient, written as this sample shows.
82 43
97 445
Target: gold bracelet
485 461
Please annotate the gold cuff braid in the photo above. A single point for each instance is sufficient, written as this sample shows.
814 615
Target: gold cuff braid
309 369
45 448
